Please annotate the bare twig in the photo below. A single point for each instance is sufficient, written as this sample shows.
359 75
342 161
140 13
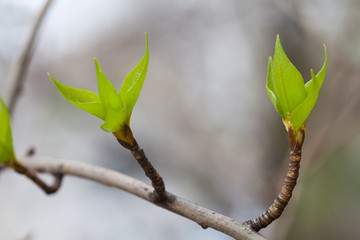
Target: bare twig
131 144
204 217
17 73
49 189
156 180
283 198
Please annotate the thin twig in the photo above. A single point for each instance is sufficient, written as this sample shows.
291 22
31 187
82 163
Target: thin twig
17 73
283 198
156 180
202 216
49 189
131 144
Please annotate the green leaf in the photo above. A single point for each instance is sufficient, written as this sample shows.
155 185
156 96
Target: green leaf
321 74
114 120
302 112
86 100
113 107
107 92
292 99
6 145
289 82
131 87
270 88
6 155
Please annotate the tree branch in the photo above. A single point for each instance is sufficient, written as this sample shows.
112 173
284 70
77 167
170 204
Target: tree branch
203 216
283 198
16 77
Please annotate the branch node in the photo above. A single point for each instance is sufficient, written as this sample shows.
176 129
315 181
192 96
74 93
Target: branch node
203 225
48 189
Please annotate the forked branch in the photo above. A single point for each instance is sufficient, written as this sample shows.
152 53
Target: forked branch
48 189
203 216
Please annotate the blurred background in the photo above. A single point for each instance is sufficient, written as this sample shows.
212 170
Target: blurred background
203 116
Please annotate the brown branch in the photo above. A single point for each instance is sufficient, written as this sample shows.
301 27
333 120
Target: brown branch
126 139
17 73
283 198
49 189
202 216
156 180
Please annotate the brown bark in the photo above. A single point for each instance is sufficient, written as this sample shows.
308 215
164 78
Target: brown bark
49 189
157 182
283 198
203 216
150 172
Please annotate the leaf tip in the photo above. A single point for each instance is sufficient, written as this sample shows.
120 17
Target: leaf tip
325 52
277 41
147 45
97 65
53 79
312 74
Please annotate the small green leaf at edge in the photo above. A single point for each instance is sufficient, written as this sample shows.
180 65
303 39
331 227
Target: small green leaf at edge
84 99
133 82
288 81
6 145
302 112
321 74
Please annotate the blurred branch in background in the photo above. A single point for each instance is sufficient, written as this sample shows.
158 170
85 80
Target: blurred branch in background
16 78
204 217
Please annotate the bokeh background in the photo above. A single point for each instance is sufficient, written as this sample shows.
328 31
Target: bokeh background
203 116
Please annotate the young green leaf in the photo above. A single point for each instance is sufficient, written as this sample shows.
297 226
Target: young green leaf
292 99
86 100
115 120
133 82
112 107
6 145
289 82
107 91
271 90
